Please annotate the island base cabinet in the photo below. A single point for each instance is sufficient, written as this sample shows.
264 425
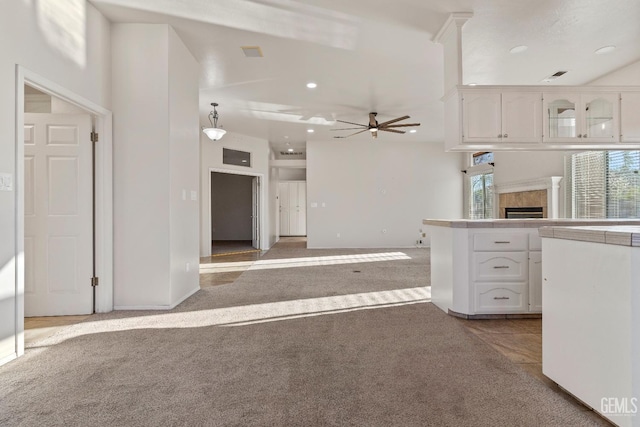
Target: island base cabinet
590 326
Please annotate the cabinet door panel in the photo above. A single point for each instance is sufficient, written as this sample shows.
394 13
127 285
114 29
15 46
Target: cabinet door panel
561 117
629 119
600 117
521 117
482 117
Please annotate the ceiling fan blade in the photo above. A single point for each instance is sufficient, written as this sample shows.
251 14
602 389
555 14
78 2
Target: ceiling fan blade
345 129
393 121
391 130
347 136
372 120
401 126
351 123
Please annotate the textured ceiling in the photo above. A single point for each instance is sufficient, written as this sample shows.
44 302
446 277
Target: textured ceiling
376 55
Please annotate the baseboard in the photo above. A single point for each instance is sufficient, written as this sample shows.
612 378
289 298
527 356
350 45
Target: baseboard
185 297
142 307
8 358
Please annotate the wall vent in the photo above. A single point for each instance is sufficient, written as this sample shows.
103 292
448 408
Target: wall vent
293 153
554 76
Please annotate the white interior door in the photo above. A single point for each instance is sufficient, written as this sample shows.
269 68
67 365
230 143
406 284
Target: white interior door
58 240
255 214
294 223
283 189
302 208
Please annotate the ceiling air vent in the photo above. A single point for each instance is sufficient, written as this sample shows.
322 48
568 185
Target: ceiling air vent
555 76
252 51
293 153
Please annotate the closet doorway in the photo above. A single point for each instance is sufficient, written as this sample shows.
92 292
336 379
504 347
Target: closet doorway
293 208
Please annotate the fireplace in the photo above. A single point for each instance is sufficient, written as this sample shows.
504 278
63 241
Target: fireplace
535 198
524 212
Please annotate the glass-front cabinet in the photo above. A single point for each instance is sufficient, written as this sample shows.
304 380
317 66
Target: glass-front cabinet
581 117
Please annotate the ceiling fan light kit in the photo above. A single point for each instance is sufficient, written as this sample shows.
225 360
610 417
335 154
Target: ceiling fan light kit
374 126
214 133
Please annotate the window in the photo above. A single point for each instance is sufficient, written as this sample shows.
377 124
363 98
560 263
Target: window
604 184
479 186
236 157
481 196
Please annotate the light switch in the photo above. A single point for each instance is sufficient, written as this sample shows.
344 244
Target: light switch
314 204
324 205
194 195
6 182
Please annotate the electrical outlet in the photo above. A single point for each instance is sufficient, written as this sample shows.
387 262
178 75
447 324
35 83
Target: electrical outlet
338 235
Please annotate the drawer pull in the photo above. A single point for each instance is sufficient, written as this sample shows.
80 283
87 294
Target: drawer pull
500 297
502 241
500 266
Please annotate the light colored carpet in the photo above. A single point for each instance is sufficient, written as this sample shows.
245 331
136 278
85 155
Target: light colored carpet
336 344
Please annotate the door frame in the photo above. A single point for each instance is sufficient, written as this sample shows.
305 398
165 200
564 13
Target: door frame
261 200
103 210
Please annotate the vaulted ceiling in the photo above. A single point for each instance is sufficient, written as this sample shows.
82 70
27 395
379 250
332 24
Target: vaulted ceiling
374 55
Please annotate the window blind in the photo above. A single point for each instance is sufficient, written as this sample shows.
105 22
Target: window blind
605 184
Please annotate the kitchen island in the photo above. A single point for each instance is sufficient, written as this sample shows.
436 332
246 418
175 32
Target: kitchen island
591 323
491 268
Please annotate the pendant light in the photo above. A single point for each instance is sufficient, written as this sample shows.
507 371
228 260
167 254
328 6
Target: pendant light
214 132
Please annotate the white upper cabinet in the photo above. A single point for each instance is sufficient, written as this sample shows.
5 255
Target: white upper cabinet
630 117
483 118
581 118
510 117
521 117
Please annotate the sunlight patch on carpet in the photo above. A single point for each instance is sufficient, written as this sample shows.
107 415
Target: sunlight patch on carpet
268 264
250 314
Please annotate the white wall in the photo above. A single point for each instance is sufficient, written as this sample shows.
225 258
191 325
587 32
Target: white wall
625 76
293 174
155 110
211 158
368 187
231 206
32 37
184 154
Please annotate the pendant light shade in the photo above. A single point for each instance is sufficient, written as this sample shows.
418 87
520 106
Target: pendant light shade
214 133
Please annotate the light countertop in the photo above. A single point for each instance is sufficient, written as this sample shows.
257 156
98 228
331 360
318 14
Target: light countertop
529 223
624 235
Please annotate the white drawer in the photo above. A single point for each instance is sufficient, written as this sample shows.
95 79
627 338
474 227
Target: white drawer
500 266
500 242
500 298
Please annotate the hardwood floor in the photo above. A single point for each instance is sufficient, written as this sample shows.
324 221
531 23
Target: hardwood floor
520 340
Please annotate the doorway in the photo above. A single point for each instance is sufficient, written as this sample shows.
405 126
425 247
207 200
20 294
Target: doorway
102 205
235 213
58 207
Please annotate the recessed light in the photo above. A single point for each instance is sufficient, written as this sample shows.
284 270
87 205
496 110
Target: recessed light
286 137
310 130
312 85
518 49
605 49
413 131
244 161
472 84
290 150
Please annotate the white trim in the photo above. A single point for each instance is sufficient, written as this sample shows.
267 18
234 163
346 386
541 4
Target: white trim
264 240
551 184
8 358
158 307
104 191
184 298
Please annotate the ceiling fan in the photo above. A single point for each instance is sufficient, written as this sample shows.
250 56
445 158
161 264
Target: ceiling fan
374 126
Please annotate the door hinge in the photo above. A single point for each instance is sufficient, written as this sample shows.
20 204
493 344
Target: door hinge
94 137
94 282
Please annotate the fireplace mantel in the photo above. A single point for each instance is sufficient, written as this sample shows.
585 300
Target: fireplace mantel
551 184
